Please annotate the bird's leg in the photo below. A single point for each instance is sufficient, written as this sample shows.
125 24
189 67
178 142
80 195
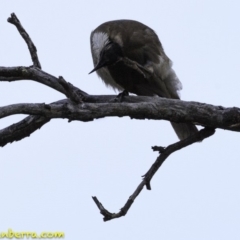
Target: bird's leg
121 96
136 66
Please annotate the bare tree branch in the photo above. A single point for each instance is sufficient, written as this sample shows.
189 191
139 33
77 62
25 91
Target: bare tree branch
83 107
32 49
22 129
157 109
74 94
164 154
11 74
133 106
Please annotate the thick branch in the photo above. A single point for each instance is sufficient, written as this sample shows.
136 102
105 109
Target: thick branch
10 74
32 49
164 154
157 109
22 129
134 107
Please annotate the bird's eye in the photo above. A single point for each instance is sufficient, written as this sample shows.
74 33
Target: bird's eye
109 41
109 44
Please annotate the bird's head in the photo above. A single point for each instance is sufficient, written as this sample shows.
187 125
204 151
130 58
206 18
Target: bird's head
104 50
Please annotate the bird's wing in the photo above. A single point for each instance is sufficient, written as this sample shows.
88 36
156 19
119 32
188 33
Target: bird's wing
148 52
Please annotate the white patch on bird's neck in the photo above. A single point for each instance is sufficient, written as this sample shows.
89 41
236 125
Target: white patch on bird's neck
99 40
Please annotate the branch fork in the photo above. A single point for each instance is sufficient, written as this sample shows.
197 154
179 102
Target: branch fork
81 106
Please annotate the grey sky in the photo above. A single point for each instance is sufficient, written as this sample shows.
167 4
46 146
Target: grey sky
47 180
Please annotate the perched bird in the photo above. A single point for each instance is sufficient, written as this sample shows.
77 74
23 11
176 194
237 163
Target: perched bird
128 55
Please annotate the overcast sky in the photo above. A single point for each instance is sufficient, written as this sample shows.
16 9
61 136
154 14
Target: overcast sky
47 179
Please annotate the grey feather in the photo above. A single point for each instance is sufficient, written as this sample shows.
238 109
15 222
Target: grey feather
140 45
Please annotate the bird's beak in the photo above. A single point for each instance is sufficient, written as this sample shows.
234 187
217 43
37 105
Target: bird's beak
98 66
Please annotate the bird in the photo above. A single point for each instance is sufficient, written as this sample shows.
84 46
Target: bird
129 57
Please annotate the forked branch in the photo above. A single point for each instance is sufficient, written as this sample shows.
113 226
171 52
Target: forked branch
164 154
81 106
32 49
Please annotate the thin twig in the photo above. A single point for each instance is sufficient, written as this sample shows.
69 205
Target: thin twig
165 152
32 49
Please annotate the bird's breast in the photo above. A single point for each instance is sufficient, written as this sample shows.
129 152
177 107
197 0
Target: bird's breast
128 78
135 82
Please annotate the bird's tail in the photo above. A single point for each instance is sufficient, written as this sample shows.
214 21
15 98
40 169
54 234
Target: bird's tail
184 130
